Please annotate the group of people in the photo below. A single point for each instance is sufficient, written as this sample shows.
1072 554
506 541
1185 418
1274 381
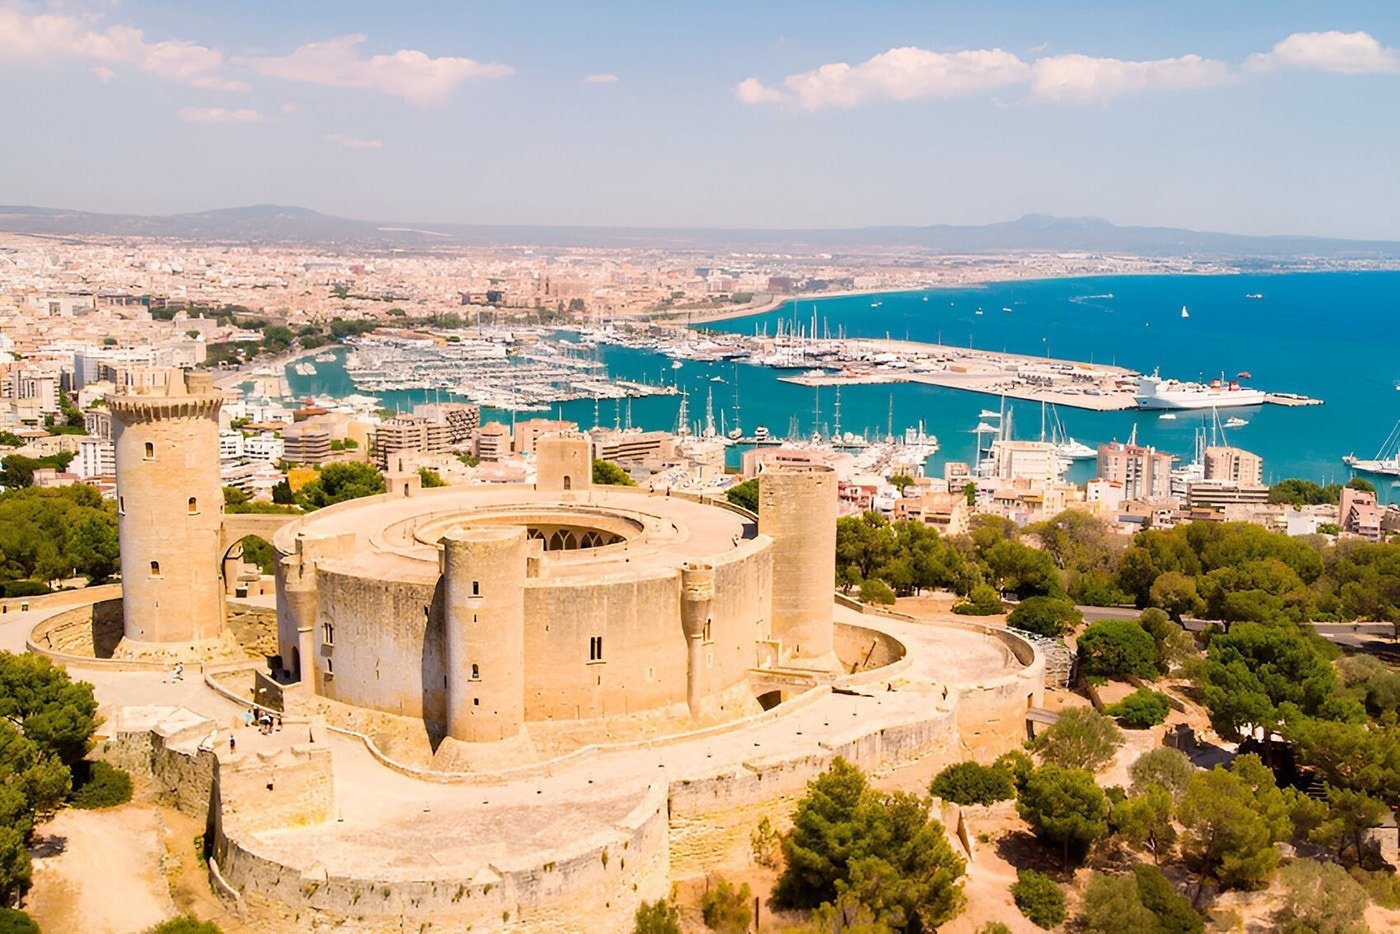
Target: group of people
267 721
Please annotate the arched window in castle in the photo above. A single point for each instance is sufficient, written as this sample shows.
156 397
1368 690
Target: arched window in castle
560 540
476 672
194 505
155 569
150 451
568 483
328 634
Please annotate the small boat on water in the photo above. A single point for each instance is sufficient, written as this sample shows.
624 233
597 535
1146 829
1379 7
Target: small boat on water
979 311
1387 459
1256 296
1235 422
675 364
1184 312
1167 416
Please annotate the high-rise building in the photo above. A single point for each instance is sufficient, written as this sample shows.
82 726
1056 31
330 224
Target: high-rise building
1143 472
305 443
409 434
1235 465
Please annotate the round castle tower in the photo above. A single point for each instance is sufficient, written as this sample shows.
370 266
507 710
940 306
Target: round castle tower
483 584
169 511
797 509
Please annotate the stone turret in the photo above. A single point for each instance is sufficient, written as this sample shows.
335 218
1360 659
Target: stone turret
797 509
483 584
697 594
563 462
169 511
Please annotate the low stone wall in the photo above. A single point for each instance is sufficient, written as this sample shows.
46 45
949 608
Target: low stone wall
594 887
168 750
861 649
89 631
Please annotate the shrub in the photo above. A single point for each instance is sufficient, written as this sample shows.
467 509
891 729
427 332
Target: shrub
1382 886
970 783
185 924
1320 897
1141 709
1173 910
14 921
1116 648
658 917
876 591
1018 764
1170 768
1112 905
1039 898
24 588
982 601
994 927
1046 616
1082 738
726 909
103 786
766 844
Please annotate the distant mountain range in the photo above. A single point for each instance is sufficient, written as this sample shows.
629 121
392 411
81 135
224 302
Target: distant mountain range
270 223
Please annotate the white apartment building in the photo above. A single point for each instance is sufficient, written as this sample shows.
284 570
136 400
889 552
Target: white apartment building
97 457
230 445
266 448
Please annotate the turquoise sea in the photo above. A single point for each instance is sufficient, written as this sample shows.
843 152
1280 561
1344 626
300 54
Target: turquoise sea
1334 336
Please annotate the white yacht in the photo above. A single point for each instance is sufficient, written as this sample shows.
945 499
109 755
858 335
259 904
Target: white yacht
1157 393
1387 459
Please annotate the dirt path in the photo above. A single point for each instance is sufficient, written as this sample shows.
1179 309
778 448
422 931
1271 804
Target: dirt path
100 871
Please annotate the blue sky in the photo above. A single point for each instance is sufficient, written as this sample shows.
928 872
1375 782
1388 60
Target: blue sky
1268 117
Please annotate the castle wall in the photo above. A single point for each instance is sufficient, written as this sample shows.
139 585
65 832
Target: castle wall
594 886
386 651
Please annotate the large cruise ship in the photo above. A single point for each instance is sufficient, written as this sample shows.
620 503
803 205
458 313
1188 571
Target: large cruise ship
1157 393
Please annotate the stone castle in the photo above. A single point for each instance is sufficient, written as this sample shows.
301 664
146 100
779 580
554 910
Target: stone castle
487 639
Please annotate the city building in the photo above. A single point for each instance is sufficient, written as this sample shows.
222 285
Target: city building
493 442
1143 473
305 443
1234 465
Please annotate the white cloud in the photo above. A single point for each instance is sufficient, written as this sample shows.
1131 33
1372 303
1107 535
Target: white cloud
102 73
220 115
407 73
753 91
599 79
905 74
190 64
1350 53
29 37
290 107
1082 78
353 142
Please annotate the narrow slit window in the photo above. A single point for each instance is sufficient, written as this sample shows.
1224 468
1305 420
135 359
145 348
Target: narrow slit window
595 648
150 451
476 672
155 569
328 633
